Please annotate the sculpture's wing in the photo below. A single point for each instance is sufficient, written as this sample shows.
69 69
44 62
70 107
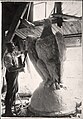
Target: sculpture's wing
37 62
61 45
31 49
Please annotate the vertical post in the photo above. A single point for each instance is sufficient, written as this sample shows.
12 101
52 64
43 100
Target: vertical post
57 7
30 14
54 8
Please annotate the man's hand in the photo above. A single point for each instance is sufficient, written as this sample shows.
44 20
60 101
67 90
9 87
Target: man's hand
25 53
23 65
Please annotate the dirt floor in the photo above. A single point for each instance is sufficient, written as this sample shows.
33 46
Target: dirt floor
72 76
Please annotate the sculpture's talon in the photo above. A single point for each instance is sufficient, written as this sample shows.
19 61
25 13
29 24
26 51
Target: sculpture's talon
53 87
78 104
57 86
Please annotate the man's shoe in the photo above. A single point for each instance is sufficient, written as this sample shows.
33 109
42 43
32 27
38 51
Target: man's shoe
8 114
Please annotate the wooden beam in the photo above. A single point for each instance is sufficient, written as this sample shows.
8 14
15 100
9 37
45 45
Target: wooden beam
30 12
73 35
26 23
41 22
65 16
38 3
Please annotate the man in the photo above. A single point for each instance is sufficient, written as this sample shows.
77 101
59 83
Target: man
12 70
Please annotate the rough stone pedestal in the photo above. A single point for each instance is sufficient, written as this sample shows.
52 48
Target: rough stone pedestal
48 102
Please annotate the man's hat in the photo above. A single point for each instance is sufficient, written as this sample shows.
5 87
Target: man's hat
9 44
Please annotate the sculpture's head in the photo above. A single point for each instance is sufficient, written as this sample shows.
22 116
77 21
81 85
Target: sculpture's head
47 22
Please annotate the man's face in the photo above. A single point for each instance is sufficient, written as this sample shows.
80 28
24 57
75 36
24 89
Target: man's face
11 48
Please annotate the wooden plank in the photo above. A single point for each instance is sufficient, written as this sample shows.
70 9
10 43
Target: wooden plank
73 41
78 25
56 28
66 28
23 33
20 34
40 28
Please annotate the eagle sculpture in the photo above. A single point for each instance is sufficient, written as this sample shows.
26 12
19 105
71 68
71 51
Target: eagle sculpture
47 53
